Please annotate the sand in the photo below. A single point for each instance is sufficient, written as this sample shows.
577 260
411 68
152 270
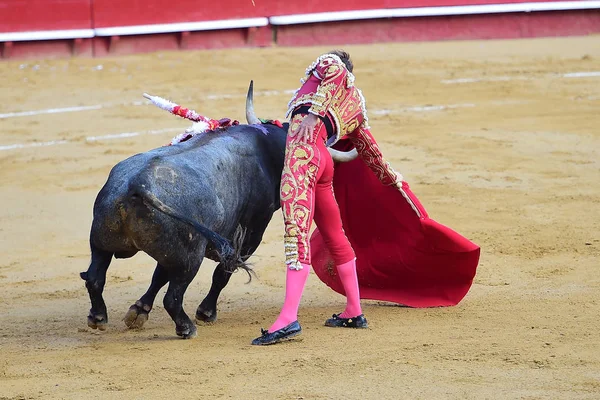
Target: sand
498 139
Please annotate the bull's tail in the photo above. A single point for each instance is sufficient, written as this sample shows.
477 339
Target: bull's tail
229 253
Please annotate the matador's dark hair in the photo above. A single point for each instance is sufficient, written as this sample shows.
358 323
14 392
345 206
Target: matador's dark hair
345 57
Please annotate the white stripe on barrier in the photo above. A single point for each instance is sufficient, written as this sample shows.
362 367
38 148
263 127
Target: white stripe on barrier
133 30
432 11
46 35
181 27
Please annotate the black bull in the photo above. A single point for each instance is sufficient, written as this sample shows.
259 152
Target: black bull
211 196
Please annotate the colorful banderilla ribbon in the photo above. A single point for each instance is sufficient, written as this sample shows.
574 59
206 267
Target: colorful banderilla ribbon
183 112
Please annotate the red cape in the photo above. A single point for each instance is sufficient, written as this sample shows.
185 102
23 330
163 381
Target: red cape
402 255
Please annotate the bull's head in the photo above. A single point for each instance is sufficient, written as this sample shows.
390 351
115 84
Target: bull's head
336 155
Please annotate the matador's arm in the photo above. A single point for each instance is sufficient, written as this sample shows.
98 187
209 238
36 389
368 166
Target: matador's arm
369 151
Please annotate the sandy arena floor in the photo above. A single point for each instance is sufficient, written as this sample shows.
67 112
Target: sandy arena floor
499 140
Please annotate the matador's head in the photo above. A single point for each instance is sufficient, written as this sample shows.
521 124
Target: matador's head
345 57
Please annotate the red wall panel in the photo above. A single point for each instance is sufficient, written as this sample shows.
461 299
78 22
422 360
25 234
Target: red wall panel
459 27
40 15
49 49
30 15
277 7
108 13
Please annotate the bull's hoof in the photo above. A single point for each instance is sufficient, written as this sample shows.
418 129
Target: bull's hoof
137 315
97 322
187 333
206 316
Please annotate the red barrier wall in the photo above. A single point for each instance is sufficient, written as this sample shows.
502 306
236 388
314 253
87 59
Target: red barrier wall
49 15
40 15
213 39
109 13
280 7
144 12
459 27
36 15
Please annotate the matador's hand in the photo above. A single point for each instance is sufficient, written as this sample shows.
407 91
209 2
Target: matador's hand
307 126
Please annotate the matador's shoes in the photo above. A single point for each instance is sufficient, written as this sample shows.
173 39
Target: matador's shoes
355 322
280 335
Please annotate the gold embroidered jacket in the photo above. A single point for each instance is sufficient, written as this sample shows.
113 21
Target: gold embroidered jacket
328 88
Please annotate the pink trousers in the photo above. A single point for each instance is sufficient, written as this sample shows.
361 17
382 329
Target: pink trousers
307 194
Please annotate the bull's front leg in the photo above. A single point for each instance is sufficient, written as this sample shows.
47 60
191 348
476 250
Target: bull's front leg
207 310
95 279
138 312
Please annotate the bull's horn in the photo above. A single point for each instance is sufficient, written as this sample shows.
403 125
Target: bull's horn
250 115
343 156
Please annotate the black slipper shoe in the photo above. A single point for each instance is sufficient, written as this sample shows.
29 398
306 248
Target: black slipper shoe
285 333
354 322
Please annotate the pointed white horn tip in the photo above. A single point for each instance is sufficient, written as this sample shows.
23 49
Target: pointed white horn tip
146 95
343 156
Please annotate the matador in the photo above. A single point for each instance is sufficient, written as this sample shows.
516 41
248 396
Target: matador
326 108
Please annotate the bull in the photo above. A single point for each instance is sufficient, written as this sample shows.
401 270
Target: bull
210 196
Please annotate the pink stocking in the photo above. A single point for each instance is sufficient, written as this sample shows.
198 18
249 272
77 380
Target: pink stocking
294 286
347 273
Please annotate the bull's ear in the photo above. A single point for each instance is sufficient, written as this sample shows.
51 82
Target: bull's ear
250 115
84 276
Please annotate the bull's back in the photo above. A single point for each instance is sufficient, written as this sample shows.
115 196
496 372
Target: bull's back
213 179
240 166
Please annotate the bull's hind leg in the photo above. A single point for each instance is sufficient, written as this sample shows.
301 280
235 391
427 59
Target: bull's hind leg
207 310
179 280
138 312
95 279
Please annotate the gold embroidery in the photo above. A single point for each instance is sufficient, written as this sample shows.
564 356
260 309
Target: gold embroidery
303 99
329 89
344 102
346 111
371 154
294 126
298 178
